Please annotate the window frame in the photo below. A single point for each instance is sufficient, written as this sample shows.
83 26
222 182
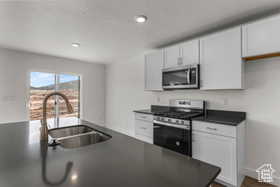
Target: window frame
56 74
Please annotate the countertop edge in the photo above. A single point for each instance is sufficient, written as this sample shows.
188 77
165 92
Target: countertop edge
221 122
143 112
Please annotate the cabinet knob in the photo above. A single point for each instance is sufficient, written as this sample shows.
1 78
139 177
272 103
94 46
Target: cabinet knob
178 143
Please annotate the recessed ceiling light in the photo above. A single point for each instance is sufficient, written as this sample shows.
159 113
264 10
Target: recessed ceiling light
141 19
76 45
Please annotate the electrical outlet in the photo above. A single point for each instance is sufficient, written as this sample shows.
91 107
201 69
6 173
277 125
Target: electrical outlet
225 101
158 99
8 98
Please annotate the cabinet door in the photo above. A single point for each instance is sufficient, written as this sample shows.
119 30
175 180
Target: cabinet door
220 60
219 151
172 55
261 37
153 71
190 52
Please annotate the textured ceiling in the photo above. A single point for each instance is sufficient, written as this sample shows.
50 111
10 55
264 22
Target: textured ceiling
106 29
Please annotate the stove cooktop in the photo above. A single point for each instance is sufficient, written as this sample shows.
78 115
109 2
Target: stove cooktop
179 114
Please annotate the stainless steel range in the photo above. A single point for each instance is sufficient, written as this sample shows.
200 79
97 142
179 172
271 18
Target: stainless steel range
173 127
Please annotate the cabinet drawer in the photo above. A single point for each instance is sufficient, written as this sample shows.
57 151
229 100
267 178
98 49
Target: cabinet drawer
214 128
146 117
144 128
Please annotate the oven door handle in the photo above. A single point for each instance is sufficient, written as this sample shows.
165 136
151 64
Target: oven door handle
171 125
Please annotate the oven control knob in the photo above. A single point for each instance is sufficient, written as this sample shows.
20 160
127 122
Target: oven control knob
169 120
178 143
177 121
182 122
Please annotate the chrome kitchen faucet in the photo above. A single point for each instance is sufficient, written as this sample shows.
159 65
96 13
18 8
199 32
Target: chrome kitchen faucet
44 125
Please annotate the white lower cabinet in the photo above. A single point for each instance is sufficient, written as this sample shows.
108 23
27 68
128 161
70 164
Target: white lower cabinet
220 150
144 129
217 150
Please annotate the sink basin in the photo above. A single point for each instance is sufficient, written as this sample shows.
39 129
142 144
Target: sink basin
77 136
69 131
83 140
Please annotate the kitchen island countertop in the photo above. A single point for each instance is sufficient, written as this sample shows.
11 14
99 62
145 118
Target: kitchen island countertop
120 161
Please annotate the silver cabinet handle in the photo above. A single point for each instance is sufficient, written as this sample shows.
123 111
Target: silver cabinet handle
210 128
144 128
144 117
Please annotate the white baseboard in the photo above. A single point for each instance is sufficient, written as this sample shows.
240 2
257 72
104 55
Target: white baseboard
252 173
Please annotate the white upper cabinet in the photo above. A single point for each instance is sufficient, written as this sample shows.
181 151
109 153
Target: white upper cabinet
182 54
261 37
220 60
190 52
153 71
172 56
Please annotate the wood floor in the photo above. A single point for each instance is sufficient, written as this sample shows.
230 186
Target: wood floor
248 182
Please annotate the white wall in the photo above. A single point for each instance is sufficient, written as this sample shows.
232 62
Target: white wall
124 93
261 101
15 67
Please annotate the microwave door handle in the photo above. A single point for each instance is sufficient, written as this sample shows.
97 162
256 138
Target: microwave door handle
188 76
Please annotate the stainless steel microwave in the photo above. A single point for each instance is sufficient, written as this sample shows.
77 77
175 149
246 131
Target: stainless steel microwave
184 77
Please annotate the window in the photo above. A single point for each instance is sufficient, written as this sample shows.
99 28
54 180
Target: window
42 84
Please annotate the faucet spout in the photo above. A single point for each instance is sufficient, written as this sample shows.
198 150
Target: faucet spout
44 125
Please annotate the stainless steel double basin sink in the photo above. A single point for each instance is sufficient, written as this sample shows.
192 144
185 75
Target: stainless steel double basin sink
76 136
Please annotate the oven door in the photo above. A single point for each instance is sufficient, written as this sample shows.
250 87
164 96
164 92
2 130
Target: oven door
173 138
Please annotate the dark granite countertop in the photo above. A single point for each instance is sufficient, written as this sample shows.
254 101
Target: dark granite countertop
223 117
213 116
120 161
